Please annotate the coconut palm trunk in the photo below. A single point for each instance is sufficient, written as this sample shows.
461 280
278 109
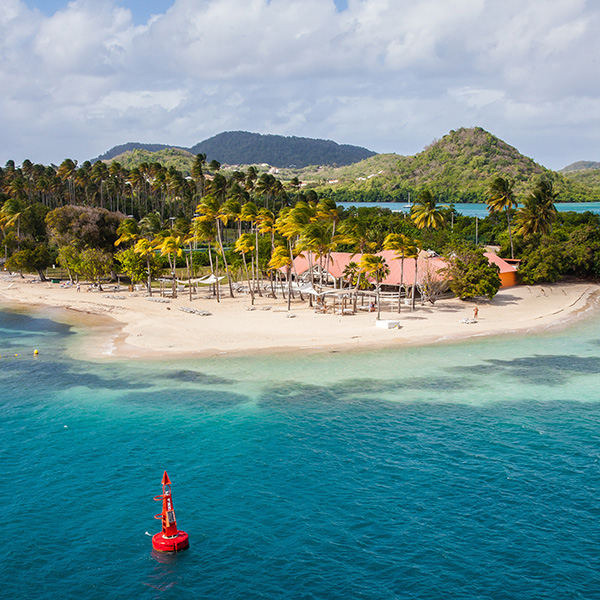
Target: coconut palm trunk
219 233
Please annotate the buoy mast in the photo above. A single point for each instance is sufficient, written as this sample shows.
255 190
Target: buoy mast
170 539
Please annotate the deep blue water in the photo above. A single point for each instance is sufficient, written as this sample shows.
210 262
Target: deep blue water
478 210
456 471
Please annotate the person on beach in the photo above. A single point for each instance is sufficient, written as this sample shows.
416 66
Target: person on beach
78 287
475 312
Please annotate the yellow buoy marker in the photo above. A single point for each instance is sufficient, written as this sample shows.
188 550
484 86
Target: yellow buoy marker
36 352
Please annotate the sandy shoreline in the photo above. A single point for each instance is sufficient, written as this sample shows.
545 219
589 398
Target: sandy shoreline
140 328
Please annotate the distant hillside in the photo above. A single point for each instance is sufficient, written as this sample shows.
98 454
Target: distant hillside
457 168
182 160
243 148
581 165
586 177
117 150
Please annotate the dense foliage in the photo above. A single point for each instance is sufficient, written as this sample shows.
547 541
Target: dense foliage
248 226
243 148
471 274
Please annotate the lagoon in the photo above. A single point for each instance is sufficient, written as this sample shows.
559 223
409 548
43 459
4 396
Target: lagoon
478 210
465 470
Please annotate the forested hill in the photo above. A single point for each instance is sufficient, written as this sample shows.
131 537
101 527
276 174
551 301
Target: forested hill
243 148
129 147
581 165
456 168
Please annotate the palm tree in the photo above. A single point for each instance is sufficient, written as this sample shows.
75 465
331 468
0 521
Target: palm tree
145 248
249 214
424 211
10 214
315 238
128 230
538 211
404 247
356 231
170 246
198 173
245 245
206 231
66 172
279 259
501 197
151 224
209 210
375 266
328 211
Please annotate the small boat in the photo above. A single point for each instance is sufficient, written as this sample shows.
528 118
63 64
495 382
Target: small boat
409 205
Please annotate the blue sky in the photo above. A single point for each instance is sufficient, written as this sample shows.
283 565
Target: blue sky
141 10
392 75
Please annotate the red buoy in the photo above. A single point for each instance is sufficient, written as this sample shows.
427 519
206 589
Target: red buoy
170 539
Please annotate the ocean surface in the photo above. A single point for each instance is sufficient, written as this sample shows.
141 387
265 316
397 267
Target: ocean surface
456 471
478 210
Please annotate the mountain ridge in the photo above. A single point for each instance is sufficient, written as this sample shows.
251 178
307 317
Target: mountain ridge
243 147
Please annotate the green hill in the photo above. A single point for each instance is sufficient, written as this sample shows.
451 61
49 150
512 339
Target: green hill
457 168
581 165
181 159
243 148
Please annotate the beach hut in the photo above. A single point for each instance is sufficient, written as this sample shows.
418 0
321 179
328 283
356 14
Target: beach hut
508 272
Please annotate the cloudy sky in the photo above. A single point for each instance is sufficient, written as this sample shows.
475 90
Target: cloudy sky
79 77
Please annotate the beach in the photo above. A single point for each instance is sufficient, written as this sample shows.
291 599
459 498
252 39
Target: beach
129 324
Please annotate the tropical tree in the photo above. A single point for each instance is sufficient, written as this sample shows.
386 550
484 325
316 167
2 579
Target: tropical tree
95 264
280 259
170 246
209 211
424 211
501 197
245 245
316 238
404 247
69 258
376 267
128 231
198 173
538 212
471 274
146 250
356 231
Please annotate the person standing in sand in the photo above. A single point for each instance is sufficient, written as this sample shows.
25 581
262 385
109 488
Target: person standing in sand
475 312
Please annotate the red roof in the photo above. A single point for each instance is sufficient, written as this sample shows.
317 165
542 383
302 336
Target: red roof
502 264
340 260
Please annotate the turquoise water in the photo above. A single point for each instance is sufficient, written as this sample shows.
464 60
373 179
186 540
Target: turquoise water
479 210
467 470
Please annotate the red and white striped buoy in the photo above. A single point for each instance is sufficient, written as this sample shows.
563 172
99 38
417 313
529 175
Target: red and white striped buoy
170 539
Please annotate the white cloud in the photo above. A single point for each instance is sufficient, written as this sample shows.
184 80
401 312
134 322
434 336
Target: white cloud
386 74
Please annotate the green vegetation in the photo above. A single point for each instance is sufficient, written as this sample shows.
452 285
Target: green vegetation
241 148
456 168
471 274
170 158
248 225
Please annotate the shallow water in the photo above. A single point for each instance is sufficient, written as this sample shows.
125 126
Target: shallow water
477 209
463 470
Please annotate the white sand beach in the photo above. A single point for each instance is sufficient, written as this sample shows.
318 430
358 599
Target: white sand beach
145 328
